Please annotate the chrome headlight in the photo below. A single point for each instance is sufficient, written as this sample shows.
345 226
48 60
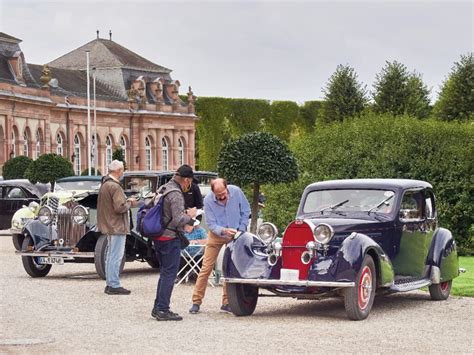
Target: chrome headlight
267 232
80 214
46 215
16 224
33 206
323 233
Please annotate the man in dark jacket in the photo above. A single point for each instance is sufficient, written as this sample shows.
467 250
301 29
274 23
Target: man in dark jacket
114 222
168 246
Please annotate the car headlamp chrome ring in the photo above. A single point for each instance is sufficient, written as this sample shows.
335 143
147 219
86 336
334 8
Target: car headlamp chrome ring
33 206
80 214
323 233
267 232
46 215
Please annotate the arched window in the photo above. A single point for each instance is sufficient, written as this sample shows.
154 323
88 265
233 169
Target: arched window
123 145
180 151
164 153
59 144
38 144
77 155
25 143
108 150
148 153
13 152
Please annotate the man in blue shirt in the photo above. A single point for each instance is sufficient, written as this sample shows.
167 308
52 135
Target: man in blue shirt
227 211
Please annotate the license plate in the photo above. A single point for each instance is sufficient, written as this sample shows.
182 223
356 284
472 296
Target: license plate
51 260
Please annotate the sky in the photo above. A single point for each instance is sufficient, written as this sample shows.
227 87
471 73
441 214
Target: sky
275 50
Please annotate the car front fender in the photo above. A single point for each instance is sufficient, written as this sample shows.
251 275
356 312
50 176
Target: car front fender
40 233
346 263
243 258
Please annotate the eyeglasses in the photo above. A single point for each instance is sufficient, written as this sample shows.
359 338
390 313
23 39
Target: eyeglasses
221 195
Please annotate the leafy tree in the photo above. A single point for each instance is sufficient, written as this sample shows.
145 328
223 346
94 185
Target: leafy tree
257 158
284 115
119 154
15 168
398 92
49 168
310 112
456 99
344 96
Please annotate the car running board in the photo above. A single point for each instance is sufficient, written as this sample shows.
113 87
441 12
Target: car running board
409 285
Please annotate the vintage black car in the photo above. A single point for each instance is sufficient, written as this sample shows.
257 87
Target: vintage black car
17 193
66 233
349 238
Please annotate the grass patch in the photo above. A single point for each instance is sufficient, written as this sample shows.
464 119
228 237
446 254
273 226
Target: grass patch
463 285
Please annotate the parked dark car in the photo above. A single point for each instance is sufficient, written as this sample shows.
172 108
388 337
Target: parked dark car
14 194
78 184
67 233
349 238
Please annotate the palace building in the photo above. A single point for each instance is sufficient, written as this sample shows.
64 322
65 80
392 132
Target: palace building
44 109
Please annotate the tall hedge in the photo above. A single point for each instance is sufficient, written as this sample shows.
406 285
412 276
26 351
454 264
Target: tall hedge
378 146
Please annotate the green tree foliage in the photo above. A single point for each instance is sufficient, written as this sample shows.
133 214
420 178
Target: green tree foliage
378 146
456 99
247 115
49 168
257 158
15 168
213 113
344 96
284 115
310 113
119 154
397 92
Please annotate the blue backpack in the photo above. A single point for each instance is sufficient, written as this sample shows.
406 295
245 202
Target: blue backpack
150 217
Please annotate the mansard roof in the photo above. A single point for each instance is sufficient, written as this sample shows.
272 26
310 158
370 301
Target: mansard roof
106 54
7 38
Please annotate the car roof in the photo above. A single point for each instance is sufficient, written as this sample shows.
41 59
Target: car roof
164 173
38 189
80 178
370 184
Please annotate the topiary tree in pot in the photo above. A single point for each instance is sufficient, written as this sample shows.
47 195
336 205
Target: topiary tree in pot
257 158
49 168
15 168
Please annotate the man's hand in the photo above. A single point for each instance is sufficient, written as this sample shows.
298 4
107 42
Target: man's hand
191 212
229 232
133 202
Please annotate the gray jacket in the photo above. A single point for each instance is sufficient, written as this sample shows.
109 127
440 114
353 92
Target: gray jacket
173 209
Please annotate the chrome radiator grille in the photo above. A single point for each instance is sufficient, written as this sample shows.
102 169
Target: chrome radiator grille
67 230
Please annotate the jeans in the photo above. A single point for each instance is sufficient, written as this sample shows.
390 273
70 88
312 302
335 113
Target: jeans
115 250
168 254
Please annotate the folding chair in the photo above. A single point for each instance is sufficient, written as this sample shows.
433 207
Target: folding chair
193 263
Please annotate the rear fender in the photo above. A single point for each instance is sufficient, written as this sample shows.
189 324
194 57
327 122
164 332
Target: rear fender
442 257
346 263
243 258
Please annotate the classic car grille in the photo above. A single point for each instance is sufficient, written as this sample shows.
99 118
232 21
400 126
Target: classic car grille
69 231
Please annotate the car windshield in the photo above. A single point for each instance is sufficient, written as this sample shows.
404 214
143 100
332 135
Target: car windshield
140 185
76 186
349 200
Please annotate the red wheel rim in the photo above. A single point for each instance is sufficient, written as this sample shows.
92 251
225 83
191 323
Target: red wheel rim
444 286
365 287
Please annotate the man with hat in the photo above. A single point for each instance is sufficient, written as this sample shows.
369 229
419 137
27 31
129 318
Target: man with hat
167 245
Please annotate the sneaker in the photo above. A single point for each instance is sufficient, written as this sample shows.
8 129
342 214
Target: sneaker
117 291
226 308
106 289
194 309
165 315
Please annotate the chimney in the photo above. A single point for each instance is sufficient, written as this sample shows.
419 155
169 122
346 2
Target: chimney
97 34
110 34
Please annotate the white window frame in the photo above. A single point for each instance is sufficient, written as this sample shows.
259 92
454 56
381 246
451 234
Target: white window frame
59 144
181 151
164 153
148 155
108 151
38 144
77 155
25 144
13 144
123 145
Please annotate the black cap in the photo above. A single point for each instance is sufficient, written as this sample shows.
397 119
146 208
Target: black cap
185 171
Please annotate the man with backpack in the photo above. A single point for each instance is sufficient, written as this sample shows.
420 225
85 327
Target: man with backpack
167 245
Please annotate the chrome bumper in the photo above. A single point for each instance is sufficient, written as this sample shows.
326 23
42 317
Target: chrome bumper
267 282
65 254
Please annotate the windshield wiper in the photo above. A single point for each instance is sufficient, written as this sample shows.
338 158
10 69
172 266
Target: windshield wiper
333 207
384 201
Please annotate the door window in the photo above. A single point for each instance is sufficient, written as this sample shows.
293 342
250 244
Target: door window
16 192
411 206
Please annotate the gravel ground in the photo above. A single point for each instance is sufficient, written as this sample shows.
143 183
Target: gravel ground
67 312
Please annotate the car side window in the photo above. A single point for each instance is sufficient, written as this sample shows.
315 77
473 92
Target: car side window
429 205
411 205
16 192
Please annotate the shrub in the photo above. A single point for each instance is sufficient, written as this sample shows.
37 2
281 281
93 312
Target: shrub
49 168
15 168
